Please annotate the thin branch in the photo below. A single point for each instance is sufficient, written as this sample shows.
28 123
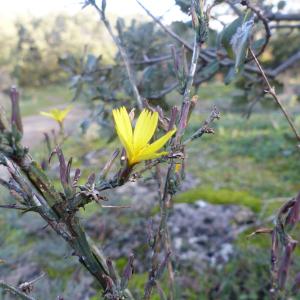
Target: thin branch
165 28
234 8
214 115
283 17
163 92
166 194
285 26
152 60
13 206
272 92
286 64
264 20
14 291
185 107
203 55
123 53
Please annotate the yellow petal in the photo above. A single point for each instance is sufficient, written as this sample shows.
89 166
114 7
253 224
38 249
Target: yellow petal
144 129
152 148
177 167
123 124
151 155
63 113
140 127
124 129
43 113
126 124
56 114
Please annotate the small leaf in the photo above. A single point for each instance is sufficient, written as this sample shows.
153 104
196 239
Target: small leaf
256 46
240 43
91 63
127 272
281 5
209 70
224 38
230 76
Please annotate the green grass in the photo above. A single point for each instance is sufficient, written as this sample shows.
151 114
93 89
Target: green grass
257 155
221 196
33 100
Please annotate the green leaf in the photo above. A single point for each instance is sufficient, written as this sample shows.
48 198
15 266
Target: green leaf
256 46
210 69
281 5
91 63
230 76
184 5
240 44
224 38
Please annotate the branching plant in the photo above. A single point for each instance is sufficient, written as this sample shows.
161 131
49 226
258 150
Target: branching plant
35 192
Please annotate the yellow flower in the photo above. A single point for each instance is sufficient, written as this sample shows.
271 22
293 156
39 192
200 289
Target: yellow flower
58 115
177 167
136 142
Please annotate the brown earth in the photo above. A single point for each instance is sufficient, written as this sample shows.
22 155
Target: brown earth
35 126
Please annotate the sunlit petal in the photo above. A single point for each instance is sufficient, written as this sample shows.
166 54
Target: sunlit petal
144 129
125 135
57 114
155 146
43 113
152 155
126 123
136 142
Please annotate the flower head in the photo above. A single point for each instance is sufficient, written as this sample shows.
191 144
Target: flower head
56 114
136 142
177 167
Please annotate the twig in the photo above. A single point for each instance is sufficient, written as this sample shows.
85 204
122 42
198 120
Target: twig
272 92
285 26
13 206
186 96
283 17
286 64
54 213
27 286
123 53
166 194
171 33
14 291
165 28
251 106
164 92
152 60
264 20
116 206
214 115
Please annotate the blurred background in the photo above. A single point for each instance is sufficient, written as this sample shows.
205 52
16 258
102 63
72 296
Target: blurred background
60 55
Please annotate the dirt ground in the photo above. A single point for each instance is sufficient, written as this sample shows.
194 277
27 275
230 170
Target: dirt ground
35 126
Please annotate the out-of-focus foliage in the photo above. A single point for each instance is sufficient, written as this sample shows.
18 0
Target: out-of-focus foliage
107 85
143 42
157 73
31 46
184 5
45 50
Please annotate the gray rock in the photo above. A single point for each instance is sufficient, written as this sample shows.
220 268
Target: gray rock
206 231
202 234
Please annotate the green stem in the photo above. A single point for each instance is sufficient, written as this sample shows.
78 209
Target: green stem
14 291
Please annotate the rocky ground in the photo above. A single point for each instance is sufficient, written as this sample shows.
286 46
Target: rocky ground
202 235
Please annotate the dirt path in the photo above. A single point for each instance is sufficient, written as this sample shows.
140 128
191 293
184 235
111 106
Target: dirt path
35 126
